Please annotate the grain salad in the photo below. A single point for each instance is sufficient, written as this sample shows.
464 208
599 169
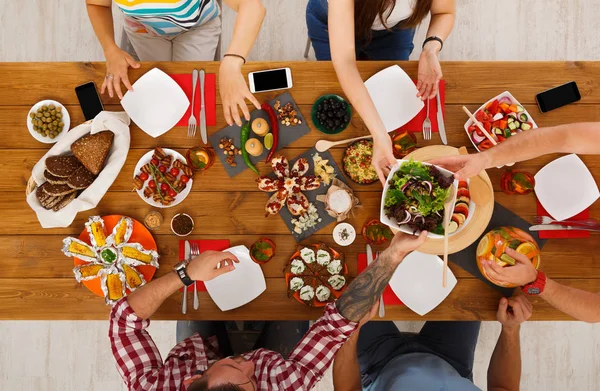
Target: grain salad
357 162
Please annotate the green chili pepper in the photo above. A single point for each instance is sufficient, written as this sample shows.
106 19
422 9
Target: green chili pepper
244 134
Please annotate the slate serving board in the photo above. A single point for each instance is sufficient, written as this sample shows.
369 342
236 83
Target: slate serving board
287 135
311 195
502 217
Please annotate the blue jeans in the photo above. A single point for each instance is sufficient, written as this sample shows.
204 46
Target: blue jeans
380 342
384 45
278 336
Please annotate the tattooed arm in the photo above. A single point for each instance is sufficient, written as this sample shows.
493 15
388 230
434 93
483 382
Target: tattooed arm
366 289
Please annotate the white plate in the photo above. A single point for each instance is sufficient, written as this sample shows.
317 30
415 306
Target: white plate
66 119
395 97
239 287
417 281
392 223
138 169
157 102
565 187
337 234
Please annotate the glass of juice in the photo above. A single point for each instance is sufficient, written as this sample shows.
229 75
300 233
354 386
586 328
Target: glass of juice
200 158
403 143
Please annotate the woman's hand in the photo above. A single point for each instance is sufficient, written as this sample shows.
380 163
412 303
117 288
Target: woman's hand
117 63
383 156
234 90
211 264
430 71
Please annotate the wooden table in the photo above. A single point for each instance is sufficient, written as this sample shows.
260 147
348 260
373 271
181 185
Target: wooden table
36 279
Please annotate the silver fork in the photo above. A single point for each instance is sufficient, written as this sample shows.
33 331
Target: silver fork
427 125
195 251
549 220
192 124
381 305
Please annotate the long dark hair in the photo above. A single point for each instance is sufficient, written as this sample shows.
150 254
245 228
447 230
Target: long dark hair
366 11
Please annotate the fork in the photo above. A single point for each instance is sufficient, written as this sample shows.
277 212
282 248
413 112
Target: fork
381 305
427 125
192 123
195 251
549 220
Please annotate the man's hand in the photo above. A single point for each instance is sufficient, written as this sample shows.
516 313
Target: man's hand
522 273
463 166
117 64
402 244
204 266
234 91
383 156
514 311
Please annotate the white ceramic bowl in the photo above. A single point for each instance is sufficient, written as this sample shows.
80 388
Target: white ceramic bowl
337 234
392 223
66 119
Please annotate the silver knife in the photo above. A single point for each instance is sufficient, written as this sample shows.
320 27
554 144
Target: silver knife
381 304
369 255
186 257
558 227
440 119
202 111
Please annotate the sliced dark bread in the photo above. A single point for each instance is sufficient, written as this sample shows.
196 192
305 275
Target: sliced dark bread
93 149
55 180
57 190
81 179
62 166
66 200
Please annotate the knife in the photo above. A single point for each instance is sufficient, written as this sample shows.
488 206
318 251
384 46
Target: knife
186 257
202 111
558 227
369 255
440 119
381 304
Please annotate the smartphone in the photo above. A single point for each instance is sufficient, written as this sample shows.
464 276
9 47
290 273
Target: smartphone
89 100
270 80
557 97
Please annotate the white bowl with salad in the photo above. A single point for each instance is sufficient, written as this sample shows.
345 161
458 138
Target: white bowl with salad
503 117
413 198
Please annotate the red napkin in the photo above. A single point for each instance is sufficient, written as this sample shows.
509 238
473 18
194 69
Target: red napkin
416 124
204 245
389 297
563 234
210 93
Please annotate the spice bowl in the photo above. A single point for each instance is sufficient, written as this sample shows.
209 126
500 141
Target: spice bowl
182 224
344 234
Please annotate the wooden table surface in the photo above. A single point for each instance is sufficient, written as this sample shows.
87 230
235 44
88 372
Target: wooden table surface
36 279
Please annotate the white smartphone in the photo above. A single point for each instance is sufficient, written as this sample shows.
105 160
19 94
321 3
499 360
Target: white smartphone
270 80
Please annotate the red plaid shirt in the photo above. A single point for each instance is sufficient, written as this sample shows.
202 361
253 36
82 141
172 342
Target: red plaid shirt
142 368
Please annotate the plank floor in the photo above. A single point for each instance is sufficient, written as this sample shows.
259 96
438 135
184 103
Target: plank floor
556 355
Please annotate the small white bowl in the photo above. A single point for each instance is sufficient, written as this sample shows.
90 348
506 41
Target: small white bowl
337 234
185 214
66 119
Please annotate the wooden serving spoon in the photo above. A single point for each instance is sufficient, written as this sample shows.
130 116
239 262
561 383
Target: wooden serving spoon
324 145
480 191
448 209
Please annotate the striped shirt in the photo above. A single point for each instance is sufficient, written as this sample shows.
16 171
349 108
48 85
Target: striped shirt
167 17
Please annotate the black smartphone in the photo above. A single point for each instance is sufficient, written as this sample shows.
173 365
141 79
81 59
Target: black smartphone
557 97
89 100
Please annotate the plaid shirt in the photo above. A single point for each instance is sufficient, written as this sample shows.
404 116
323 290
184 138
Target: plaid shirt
142 368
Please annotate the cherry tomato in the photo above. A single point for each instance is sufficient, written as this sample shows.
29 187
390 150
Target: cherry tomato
154 162
144 176
152 184
172 193
184 179
164 187
174 171
162 169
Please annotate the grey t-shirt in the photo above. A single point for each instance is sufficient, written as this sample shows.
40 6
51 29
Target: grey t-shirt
422 372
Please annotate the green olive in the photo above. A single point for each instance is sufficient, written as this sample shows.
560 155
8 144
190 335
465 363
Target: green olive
38 115
54 122
61 124
51 135
51 106
44 108
59 115
44 126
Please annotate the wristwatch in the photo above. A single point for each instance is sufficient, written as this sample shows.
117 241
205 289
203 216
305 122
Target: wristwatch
181 271
536 287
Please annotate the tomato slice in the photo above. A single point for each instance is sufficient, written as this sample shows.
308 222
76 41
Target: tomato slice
485 144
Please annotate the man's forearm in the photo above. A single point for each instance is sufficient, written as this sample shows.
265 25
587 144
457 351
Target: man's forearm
581 138
102 22
504 372
579 304
145 300
346 369
250 15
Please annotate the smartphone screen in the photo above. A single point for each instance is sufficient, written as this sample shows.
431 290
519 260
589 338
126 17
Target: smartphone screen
558 96
89 100
270 80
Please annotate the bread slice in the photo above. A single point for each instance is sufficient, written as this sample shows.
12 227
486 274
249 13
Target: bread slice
41 195
92 150
55 180
66 200
81 179
62 166
46 200
58 190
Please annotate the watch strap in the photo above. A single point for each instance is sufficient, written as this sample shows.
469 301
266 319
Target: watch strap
433 38
536 287
183 276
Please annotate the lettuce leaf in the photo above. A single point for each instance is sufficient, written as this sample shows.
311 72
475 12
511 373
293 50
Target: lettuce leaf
416 169
394 197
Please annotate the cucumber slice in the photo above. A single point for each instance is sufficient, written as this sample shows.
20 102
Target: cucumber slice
525 126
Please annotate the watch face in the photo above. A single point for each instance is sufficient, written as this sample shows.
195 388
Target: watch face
534 291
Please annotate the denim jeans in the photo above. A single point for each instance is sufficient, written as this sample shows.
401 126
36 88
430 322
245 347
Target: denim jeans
383 45
380 342
278 336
